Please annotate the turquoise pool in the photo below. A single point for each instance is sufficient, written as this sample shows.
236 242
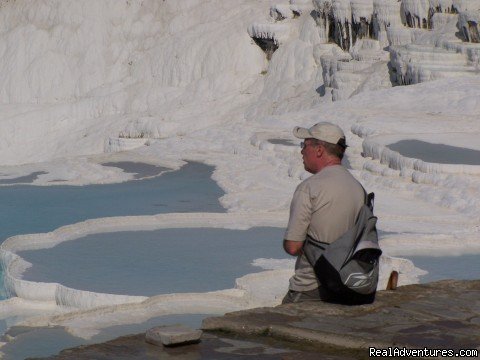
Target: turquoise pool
148 263
436 153
28 209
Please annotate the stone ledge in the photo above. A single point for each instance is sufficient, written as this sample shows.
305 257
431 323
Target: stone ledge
172 335
444 314
438 315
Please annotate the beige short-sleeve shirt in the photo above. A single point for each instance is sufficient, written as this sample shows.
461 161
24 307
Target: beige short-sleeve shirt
324 206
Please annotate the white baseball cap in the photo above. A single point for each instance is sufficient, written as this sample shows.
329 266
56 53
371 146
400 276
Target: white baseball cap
324 131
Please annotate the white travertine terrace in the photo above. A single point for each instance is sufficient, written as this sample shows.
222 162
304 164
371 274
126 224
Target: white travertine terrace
418 13
64 296
277 32
349 23
342 15
358 19
399 36
365 28
387 16
280 12
368 50
361 9
441 19
469 23
262 289
387 13
377 151
419 63
113 145
185 78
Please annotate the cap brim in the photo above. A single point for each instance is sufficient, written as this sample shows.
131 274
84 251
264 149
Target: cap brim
301 133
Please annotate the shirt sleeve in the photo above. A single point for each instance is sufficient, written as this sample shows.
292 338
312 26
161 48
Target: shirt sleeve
300 215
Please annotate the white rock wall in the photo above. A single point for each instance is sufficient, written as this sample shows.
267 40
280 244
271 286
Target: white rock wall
73 73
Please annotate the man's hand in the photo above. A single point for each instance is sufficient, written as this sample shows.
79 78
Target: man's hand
294 248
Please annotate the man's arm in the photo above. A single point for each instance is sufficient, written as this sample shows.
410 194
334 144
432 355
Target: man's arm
300 216
294 248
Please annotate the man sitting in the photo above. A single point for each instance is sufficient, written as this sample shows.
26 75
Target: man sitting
324 206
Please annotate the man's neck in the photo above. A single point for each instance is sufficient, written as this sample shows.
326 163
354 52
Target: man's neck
333 161
330 162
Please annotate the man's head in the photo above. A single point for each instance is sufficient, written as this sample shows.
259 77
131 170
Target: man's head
324 145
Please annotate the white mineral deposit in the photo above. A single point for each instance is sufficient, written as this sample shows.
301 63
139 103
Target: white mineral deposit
222 82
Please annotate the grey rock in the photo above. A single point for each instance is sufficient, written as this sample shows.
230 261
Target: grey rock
172 335
436 315
211 347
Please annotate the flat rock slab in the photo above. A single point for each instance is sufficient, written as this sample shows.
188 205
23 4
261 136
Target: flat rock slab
211 347
439 315
172 335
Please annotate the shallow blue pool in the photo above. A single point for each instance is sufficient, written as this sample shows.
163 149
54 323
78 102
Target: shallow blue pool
436 153
156 262
463 267
47 341
28 209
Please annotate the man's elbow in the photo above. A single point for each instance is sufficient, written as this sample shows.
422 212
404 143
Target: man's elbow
293 248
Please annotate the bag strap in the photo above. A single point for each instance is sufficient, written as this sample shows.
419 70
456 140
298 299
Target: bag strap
368 199
320 244
309 240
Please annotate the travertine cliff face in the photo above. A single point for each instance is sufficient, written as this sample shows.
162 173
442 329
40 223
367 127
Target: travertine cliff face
401 42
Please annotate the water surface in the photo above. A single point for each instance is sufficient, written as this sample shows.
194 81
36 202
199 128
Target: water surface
26 209
141 170
47 341
436 153
463 267
155 262
283 142
27 179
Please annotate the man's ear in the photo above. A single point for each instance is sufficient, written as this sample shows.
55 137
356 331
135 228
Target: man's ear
320 150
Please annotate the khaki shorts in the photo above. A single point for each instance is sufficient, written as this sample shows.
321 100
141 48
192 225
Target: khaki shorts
293 296
322 294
